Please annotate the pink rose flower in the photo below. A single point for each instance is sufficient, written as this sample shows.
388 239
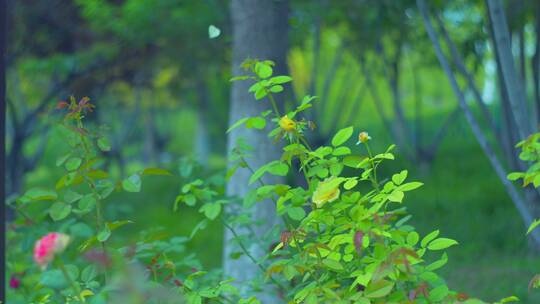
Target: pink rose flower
48 246
14 282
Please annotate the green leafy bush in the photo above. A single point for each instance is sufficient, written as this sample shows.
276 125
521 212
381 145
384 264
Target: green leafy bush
346 237
530 153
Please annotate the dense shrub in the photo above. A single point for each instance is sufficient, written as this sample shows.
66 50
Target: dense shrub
346 237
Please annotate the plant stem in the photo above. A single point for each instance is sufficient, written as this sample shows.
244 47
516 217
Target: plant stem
304 141
274 104
75 287
372 176
248 254
92 185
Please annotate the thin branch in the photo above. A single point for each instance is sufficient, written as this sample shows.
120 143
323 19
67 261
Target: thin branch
248 254
458 60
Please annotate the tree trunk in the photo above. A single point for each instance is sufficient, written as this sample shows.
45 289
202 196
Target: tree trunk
536 67
520 204
259 31
516 95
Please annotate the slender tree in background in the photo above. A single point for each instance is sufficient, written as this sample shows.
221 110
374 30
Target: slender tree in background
512 82
259 31
516 110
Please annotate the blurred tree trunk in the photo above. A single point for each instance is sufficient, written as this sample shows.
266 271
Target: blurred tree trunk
517 106
536 65
525 207
259 31
513 83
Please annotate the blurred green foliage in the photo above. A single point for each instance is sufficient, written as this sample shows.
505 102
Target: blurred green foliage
143 65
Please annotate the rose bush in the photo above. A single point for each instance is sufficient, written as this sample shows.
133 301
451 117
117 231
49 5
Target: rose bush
345 239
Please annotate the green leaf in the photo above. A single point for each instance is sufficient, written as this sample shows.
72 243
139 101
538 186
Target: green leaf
438 293
132 183
261 93
352 160
89 273
438 264
341 151
53 278
412 238
378 289
213 31
87 203
321 152
429 237
263 70
258 174
155 171
349 184
105 188
104 234
37 194
62 159
396 196
399 177
256 122
280 79
536 181
200 226
238 123
533 225
342 136
59 211
296 213
71 196
211 210
403 220
410 186
441 243
190 200
333 264
104 144
276 88
509 299
279 169
515 176
117 224
384 156
73 163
